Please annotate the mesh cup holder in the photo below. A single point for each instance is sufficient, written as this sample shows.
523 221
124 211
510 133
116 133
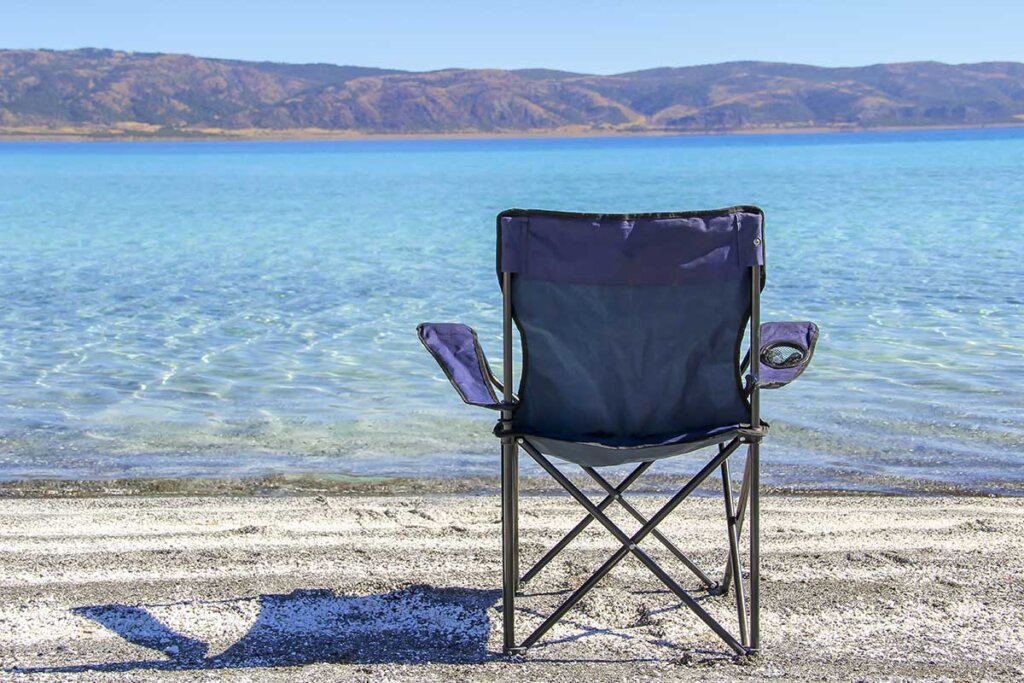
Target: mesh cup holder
782 355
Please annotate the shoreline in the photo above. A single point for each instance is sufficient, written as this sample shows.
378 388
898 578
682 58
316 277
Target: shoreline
321 135
308 484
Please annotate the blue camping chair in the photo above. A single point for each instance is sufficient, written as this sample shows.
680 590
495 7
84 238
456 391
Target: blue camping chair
632 329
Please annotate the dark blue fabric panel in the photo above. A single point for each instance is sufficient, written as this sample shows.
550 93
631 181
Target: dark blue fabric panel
631 252
456 349
626 366
599 455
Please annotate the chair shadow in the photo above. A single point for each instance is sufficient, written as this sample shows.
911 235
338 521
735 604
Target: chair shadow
414 625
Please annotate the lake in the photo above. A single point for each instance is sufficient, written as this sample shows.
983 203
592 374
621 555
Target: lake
173 309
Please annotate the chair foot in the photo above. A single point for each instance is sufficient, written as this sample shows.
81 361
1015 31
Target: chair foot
749 657
516 651
717 589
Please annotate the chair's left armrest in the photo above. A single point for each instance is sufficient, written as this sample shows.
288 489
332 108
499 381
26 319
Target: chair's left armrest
786 350
457 350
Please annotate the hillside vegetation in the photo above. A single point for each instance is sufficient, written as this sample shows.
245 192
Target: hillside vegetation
107 91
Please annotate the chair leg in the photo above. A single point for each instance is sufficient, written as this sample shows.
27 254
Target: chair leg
741 509
515 517
734 553
754 455
509 541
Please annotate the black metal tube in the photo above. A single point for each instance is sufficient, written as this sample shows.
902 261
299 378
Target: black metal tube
515 515
509 396
734 553
741 509
755 460
583 524
576 596
755 546
509 484
508 549
630 545
638 516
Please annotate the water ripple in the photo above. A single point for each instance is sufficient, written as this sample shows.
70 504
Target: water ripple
198 308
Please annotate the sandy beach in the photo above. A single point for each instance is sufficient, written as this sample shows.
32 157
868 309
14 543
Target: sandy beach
404 587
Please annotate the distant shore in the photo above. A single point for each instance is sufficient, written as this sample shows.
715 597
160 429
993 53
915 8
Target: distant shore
143 133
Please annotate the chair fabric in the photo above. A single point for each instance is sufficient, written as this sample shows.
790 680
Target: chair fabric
800 335
457 350
602 455
631 329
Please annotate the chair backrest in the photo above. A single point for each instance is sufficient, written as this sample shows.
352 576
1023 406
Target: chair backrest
631 325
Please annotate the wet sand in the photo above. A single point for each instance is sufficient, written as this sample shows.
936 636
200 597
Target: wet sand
403 587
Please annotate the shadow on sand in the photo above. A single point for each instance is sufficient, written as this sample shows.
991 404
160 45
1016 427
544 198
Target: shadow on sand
413 625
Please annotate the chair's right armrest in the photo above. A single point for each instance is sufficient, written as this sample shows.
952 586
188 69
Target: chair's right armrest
786 351
457 350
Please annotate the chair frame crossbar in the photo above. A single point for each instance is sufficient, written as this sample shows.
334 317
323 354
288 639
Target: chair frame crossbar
614 494
630 544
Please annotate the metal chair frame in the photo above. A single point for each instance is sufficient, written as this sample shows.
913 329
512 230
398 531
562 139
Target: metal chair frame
749 639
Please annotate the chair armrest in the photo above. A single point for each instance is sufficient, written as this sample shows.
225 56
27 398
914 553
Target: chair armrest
457 350
786 350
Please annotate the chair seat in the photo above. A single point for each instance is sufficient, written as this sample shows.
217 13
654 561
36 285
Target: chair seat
601 453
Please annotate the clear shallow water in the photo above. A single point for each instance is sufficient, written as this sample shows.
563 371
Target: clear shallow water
177 309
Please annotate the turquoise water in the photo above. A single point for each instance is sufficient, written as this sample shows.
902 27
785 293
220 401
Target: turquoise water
173 309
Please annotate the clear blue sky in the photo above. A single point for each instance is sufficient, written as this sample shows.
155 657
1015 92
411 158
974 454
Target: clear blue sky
594 36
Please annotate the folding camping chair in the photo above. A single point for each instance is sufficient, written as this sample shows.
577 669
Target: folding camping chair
632 329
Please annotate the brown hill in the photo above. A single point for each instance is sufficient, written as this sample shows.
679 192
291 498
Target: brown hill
106 91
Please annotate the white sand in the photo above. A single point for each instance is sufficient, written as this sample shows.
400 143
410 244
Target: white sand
404 588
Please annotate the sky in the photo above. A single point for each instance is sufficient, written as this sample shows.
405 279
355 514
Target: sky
595 36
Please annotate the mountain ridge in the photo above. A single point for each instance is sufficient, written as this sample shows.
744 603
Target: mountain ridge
110 93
